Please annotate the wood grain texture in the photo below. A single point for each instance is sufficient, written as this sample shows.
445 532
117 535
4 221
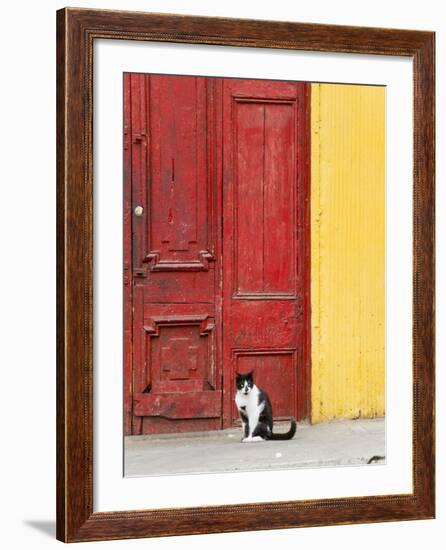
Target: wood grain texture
265 213
175 267
76 30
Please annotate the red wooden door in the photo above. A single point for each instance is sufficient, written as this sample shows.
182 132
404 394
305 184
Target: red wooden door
174 369
265 243
211 289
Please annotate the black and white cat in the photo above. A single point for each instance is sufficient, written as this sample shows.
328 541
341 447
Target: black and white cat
256 411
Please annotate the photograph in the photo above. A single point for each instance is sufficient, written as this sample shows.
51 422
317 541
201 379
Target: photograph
254 266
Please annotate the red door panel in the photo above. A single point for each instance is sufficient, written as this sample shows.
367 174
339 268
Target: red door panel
274 371
176 364
264 224
265 256
172 175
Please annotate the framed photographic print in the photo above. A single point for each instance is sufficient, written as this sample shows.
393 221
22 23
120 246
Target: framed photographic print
245 275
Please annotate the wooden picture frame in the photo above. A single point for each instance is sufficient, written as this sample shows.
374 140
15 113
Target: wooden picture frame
76 31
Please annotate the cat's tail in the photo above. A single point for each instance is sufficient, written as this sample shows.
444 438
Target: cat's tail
288 435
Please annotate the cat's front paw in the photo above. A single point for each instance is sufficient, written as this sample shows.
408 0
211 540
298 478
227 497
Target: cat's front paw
250 439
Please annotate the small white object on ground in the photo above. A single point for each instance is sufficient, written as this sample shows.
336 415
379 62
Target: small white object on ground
278 455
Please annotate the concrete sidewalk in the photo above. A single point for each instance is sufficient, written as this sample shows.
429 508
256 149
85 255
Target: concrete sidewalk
346 442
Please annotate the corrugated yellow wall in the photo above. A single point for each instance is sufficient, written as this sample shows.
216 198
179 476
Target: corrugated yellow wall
347 251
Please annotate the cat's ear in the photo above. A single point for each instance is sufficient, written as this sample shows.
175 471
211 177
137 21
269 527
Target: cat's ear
238 376
250 374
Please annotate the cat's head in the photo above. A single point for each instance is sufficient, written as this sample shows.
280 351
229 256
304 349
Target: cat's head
244 382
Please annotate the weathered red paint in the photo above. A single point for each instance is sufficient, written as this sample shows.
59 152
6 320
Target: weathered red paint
176 257
216 267
265 292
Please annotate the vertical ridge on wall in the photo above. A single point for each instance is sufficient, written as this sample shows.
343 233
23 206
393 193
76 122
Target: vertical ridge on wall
347 251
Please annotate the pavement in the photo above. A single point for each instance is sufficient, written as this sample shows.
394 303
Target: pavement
339 443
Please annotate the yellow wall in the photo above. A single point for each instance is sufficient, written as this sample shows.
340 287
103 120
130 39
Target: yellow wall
347 251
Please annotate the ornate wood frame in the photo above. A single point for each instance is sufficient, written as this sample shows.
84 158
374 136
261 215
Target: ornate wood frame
76 31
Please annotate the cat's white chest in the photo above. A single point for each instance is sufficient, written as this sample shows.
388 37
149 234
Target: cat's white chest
249 404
